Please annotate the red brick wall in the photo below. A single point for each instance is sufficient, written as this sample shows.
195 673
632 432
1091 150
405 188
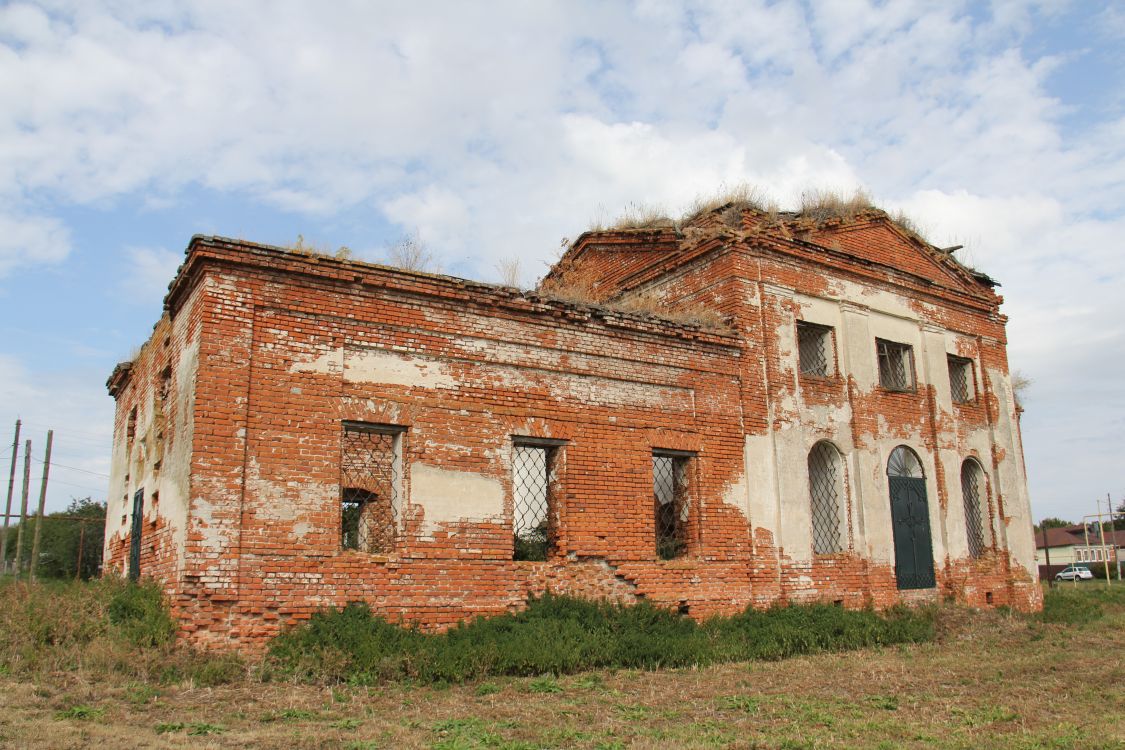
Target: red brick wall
286 346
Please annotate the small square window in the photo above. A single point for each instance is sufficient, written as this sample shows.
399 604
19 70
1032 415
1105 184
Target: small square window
961 384
896 365
534 503
670 472
814 349
370 487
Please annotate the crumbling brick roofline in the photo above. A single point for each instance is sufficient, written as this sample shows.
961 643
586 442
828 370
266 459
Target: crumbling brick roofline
204 250
825 241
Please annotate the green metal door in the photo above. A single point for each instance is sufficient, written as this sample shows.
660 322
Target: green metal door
910 518
135 535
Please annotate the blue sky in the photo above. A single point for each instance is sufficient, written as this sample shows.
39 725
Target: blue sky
495 130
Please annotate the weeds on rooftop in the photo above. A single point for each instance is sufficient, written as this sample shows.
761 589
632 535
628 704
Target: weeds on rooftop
821 205
304 247
740 196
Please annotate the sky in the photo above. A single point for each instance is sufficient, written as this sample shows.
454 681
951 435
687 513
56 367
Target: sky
494 131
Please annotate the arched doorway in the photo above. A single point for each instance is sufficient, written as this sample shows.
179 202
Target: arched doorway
910 520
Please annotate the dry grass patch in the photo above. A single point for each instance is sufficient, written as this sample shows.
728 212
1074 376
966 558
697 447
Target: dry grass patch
739 197
994 679
649 303
317 249
821 205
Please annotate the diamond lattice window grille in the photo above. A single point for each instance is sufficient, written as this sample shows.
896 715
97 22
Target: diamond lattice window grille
896 365
971 483
533 505
369 495
814 349
670 504
824 487
960 380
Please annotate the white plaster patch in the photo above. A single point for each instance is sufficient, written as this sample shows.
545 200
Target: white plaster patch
391 368
329 363
737 494
451 496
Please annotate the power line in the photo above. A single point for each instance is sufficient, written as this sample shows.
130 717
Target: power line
73 433
79 486
72 468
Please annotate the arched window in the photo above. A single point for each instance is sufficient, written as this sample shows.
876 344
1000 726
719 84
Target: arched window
972 490
904 463
825 489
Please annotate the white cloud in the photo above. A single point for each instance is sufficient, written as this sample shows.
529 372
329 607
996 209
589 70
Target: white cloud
495 130
149 273
26 240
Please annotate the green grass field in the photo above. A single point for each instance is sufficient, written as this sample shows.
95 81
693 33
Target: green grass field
989 680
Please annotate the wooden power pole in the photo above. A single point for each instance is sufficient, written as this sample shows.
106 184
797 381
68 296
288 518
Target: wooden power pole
42 504
8 507
23 505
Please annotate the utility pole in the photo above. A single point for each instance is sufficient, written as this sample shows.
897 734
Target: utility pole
1047 552
23 505
42 503
8 507
81 540
1101 530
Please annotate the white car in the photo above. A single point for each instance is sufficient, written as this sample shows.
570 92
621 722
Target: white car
1074 572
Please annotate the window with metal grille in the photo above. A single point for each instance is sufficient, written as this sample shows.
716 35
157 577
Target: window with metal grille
670 472
533 499
825 480
972 484
370 487
814 349
896 365
961 379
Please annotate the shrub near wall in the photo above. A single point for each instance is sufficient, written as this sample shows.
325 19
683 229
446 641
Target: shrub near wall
561 635
100 627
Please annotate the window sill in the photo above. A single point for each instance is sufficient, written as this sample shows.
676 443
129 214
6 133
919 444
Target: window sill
824 379
899 391
374 557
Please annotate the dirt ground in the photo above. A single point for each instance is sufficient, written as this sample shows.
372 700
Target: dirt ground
994 680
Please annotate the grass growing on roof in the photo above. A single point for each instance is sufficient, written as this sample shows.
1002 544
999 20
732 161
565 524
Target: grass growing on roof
561 635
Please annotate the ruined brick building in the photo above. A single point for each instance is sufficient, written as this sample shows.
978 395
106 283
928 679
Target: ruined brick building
303 431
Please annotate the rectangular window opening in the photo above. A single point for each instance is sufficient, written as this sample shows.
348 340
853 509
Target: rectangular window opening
370 487
961 386
814 349
670 477
534 490
896 365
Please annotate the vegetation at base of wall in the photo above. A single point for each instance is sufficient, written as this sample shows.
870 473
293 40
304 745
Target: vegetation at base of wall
561 635
107 627
993 678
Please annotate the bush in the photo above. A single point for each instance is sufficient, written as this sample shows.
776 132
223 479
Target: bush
559 635
104 626
139 611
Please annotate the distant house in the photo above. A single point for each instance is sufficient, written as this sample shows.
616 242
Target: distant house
1070 545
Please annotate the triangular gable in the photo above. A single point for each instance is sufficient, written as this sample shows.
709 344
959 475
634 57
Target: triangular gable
879 241
604 259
